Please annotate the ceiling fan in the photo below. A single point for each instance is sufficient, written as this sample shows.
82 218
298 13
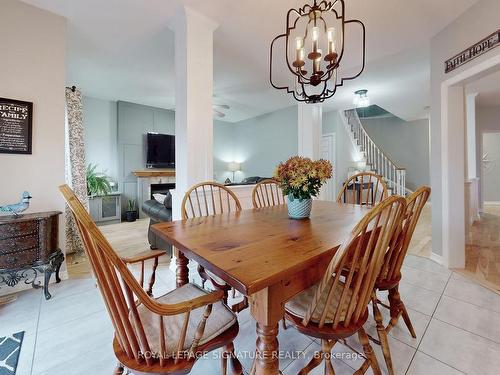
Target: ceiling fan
219 109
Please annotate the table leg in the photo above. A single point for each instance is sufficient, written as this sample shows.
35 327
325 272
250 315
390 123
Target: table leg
267 358
182 271
267 310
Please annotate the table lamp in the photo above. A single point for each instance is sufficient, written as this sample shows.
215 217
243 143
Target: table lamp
233 167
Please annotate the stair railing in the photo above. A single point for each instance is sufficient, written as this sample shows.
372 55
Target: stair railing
379 162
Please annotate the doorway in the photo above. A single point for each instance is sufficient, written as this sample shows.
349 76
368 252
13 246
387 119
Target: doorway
453 166
327 152
482 250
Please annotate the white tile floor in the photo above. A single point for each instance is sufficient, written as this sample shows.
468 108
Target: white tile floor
457 323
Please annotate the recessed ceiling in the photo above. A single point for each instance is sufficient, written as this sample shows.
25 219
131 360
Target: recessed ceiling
123 50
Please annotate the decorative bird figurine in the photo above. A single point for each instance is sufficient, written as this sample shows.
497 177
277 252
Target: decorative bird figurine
17 208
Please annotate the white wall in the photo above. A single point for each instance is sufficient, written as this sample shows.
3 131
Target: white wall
406 143
491 175
259 144
32 68
346 154
488 134
224 145
476 23
100 122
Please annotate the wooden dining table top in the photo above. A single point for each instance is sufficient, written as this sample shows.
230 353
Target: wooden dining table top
252 249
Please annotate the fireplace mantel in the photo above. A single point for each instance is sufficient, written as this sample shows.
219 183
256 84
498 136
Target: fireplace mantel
147 173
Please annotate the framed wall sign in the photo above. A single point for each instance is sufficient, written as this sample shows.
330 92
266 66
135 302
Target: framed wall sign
478 49
16 126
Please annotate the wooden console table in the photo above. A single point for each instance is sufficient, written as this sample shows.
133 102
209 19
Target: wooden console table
29 248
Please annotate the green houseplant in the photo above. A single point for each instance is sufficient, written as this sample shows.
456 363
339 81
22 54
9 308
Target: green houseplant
97 182
131 213
301 179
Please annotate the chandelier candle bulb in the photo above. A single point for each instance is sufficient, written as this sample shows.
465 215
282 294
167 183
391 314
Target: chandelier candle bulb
317 62
315 37
298 42
331 40
300 49
302 54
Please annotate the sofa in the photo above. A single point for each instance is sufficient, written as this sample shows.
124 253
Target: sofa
158 212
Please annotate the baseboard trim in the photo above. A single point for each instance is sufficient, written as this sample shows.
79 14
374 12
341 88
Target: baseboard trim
492 203
437 258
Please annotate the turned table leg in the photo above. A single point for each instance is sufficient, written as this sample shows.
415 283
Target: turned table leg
267 358
182 271
267 310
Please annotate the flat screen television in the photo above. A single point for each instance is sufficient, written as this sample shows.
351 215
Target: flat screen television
160 150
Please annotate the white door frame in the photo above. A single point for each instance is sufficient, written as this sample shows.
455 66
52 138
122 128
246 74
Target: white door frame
333 180
453 161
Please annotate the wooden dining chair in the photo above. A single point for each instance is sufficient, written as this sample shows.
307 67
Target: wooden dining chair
141 259
165 335
267 193
390 274
337 307
207 199
365 188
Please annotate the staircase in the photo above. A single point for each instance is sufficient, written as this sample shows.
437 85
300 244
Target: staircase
376 160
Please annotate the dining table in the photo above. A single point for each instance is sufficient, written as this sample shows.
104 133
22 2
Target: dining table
265 255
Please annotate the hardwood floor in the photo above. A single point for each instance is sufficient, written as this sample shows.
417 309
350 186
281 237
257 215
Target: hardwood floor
421 244
482 254
126 238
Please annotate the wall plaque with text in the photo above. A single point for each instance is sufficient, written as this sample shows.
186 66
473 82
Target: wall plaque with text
472 52
16 123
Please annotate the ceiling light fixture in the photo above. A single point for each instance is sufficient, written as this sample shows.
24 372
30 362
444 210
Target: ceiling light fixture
314 48
361 99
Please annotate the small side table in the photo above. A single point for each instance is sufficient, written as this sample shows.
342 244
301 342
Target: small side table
29 248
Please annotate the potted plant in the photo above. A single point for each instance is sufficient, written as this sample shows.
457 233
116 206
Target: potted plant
301 179
131 213
97 182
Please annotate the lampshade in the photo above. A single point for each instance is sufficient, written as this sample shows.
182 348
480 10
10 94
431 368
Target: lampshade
233 167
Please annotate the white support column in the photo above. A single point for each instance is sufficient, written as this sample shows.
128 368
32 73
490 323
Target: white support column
471 136
193 101
310 130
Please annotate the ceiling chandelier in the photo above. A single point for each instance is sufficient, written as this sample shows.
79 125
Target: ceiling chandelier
314 48
361 99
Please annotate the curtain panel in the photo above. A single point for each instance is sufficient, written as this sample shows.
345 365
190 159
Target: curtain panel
75 163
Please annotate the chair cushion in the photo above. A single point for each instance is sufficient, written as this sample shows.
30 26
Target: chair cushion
299 305
220 320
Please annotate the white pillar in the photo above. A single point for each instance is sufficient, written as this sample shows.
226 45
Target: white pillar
193 101
310 130
471 136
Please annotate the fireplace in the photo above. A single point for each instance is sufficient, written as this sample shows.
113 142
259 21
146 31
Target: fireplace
161 188
150 182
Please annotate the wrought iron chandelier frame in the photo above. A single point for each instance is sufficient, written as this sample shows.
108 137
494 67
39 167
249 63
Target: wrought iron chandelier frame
315 13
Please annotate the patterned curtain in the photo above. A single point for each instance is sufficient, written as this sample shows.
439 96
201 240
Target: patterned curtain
75 163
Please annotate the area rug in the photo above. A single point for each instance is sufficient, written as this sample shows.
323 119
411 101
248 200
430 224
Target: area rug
10 348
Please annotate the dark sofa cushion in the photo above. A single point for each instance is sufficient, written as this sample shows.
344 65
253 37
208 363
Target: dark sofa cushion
157 211
168 201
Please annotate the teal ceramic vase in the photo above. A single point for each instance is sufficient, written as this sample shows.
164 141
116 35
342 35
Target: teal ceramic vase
299 208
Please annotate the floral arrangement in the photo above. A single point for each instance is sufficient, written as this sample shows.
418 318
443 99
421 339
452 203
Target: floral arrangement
302 178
